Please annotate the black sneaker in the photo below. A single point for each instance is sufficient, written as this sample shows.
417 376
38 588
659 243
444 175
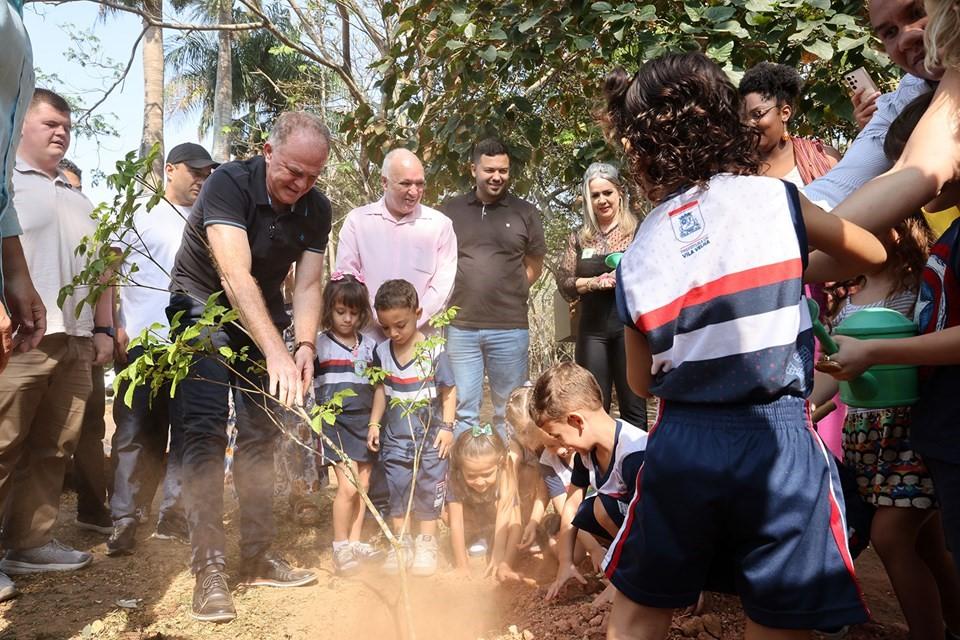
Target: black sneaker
212 601
123 539
169 530
101 523
272 571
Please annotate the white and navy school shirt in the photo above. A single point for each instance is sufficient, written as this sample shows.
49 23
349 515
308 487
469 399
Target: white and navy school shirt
340 367
619 480
713 281
409 382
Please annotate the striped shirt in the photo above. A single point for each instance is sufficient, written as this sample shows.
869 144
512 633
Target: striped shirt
713 281
419 379
340 367
619 479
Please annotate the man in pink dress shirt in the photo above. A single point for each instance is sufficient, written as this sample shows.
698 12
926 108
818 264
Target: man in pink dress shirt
398 237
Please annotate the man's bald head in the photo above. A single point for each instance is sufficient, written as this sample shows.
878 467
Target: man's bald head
403 182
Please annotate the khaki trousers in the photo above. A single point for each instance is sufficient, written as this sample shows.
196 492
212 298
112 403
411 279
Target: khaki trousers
42 398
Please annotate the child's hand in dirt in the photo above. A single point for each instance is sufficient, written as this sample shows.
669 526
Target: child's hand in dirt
373 438
605 597
529 535
563 575
443 442
506 574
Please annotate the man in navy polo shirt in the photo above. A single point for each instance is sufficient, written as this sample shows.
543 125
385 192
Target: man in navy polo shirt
252 220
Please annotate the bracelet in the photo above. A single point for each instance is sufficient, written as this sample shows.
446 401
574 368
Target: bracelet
446 426
305 343
373 425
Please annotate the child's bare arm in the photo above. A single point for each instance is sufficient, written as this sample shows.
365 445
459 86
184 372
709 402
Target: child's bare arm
567 542
849 250
448 405
932 349
537 510
824 388
639 362
457 535
378 408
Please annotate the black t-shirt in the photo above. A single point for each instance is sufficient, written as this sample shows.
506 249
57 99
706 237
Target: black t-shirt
491 288
236 194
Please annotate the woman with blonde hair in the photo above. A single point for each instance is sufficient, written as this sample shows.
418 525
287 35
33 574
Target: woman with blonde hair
585 277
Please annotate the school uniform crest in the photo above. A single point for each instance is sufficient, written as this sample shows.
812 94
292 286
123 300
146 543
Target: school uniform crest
687 222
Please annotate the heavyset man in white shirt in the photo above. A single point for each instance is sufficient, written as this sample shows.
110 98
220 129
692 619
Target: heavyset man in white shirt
43 392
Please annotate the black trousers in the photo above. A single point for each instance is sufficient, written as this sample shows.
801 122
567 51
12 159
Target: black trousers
603 355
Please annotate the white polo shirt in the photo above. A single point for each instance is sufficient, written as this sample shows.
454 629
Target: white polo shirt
55 218
153 248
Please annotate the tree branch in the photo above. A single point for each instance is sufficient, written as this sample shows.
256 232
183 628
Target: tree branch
123 76
149 20
355 92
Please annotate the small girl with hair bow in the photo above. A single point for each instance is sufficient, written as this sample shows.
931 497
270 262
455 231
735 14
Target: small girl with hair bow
482 500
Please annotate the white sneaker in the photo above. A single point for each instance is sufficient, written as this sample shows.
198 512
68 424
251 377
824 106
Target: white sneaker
478 548
424 556
345 561
8 590
53 556
366 552
391 565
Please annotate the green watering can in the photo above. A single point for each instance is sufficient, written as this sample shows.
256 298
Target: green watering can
613 259
880 386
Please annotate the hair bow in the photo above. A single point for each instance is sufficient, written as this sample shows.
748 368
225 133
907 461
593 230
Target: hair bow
481 430
338 275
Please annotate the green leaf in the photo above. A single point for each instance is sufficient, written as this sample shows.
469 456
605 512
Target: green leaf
455 44
719 14
819 4
601 7
760 6
819 48
459 17
226 351
469 30
845 44
647 13
489 54
720 53
529 23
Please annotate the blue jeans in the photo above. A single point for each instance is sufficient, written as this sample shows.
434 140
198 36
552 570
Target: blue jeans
502 354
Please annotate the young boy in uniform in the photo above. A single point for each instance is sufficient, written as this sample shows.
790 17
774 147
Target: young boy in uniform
413 375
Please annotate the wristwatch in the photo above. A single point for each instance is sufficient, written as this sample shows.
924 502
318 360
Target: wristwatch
106 330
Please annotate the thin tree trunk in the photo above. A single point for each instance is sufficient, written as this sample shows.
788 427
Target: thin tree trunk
153 89
223 105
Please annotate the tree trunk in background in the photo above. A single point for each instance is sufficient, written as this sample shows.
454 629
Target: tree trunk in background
153 88
223 105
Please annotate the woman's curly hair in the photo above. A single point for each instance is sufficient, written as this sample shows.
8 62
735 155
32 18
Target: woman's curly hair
772 80
680 117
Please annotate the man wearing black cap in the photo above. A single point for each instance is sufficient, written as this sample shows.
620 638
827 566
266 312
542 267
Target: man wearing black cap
140 439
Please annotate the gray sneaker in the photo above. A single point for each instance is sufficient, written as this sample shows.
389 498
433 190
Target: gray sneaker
424 556
8 590
392 565
53 556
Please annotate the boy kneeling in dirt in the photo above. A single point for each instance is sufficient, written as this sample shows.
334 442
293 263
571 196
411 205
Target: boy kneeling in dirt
567 405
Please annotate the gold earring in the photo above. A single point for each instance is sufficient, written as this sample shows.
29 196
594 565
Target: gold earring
786 136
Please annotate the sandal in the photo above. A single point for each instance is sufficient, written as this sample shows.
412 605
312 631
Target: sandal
305 513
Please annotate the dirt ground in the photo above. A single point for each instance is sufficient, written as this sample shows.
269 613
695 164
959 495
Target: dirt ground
147 596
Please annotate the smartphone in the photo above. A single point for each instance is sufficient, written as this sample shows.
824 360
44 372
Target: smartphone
859 78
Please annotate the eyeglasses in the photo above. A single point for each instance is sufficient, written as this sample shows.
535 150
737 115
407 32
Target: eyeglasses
756 115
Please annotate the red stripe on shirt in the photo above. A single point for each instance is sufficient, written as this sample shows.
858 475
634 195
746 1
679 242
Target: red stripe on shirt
689 205
723 286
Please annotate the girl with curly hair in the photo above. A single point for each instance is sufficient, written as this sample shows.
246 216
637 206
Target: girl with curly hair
770 93
718 329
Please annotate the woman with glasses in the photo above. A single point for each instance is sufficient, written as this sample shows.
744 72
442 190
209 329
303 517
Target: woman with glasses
585 277
769 93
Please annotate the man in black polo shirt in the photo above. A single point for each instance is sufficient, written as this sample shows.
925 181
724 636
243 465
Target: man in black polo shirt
252 220
500 254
